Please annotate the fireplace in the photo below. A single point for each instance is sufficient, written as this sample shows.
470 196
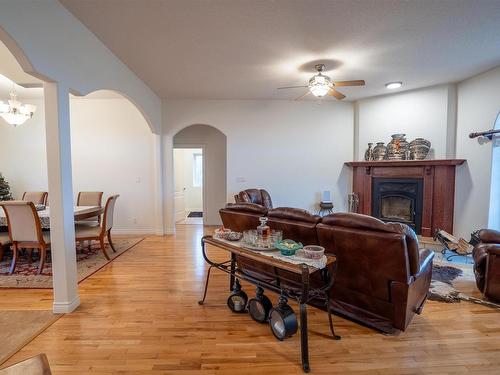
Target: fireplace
426 205
398 200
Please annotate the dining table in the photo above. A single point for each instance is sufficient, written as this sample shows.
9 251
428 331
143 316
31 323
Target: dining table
80 213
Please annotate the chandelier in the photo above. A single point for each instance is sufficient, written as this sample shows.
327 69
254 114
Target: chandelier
14 112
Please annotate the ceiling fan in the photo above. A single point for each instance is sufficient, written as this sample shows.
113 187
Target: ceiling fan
321 85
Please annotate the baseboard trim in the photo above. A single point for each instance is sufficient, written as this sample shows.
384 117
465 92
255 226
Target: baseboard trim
65 307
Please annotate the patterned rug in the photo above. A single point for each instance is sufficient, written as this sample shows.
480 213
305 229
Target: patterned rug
442 288
89 261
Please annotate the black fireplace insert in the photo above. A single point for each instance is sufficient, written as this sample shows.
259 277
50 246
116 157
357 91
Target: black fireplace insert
398 200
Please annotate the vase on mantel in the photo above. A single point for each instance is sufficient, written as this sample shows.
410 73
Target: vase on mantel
379 151
397 147
369 152
419 148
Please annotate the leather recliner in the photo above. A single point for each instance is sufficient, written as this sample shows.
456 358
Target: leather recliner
486 256
256 196
382 277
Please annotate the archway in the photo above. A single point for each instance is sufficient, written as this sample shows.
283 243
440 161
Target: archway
214 145
494 211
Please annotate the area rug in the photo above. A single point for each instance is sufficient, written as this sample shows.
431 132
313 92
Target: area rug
442 287
19 327
89 261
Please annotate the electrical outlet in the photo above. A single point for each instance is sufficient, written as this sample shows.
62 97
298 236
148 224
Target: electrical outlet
134 220
241 179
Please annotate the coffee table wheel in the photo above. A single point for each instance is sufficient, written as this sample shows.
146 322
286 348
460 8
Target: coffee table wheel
200 302
337 337
306 367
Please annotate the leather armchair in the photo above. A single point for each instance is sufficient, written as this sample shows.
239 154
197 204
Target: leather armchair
486 256
257 196
382 277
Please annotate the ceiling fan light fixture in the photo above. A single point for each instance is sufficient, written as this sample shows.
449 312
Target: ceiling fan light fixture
393 85
320 85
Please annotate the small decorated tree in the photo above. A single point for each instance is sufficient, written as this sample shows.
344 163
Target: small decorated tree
5 194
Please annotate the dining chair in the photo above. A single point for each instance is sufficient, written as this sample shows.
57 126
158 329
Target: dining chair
98 233
90 198
25 231
4 242
37 197
38 365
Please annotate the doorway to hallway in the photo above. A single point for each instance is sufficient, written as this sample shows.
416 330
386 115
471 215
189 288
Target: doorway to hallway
189 185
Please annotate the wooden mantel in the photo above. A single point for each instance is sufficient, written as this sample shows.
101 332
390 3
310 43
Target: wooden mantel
404 163
438 187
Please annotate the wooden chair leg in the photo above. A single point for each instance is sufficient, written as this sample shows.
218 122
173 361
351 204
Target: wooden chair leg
14 259
101 240
43 253
30 255
1 252
111 242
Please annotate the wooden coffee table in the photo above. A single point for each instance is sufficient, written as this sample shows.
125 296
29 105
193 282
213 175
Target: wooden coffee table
302 272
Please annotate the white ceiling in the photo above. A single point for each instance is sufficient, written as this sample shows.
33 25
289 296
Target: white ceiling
245 49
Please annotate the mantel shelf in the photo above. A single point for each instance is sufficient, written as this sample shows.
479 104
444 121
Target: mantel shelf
405 163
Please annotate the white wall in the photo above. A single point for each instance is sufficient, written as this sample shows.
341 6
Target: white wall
294 149
112 151
183 165
50 42
420 113
478 106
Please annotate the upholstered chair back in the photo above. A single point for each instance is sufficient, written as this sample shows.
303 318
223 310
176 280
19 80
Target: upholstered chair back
89 198
37 197
109 211
23 221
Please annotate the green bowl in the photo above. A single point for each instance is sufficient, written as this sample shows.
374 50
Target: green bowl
290 249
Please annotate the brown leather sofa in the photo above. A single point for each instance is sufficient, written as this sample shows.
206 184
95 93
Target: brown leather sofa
382 278
297 224
257 196
486 256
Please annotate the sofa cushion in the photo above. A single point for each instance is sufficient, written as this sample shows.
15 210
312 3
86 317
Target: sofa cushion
365 222
293 214
247 207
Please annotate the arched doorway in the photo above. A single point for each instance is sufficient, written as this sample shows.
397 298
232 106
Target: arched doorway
494 212
212 142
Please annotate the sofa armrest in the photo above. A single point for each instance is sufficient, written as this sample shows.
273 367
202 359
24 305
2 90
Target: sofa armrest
425 261
492 249
489 236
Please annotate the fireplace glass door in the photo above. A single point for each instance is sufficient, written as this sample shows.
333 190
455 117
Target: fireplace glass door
398 200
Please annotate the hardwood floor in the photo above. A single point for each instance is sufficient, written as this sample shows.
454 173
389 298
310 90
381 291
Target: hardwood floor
139 315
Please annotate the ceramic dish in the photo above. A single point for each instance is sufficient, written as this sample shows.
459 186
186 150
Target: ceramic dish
221 232
313 252
233 236
288 247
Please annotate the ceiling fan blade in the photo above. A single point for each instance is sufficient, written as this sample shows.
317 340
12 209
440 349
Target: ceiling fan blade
358 82
291 87
336 94
302 96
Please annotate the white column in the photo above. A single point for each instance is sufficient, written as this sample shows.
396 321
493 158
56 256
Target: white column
159 178
62 232
168 184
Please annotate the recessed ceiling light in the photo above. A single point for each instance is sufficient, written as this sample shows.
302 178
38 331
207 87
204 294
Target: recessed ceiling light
393 85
